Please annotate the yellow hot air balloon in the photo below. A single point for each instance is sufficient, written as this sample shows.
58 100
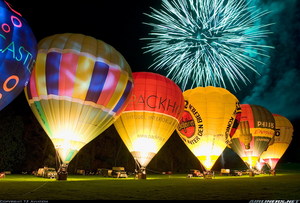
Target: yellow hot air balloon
280 142
211 114
78 88
256 129
150 117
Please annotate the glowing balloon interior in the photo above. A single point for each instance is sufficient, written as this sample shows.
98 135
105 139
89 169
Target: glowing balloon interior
256 129
210 118
151 116
18 49
280 143
260 164
78 87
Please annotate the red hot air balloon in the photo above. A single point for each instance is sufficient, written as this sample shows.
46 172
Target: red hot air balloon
150 117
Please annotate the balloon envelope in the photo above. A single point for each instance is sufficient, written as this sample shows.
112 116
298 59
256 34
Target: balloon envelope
208 122
151 116
78 87
256 129
281 141
18 49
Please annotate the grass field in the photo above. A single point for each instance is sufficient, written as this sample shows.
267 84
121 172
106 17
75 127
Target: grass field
284 186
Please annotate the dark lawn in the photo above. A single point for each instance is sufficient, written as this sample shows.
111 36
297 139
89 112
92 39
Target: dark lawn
285 185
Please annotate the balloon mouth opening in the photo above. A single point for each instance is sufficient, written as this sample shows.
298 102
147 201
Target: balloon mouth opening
143 158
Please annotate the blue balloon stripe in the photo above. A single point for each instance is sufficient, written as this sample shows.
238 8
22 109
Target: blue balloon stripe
97 82
124 97
52 72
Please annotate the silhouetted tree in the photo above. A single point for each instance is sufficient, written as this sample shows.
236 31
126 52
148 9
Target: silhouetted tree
12 147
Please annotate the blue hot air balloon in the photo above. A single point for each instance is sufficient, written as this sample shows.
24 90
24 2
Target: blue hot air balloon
18 49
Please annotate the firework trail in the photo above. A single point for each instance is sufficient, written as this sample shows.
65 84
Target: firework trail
207 42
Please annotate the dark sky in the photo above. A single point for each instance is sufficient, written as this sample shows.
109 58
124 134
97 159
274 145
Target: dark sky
119 23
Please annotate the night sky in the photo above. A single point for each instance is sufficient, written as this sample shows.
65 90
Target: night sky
119 23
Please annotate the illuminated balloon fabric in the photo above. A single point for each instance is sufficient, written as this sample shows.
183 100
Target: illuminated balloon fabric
18 48
151 116
78 87
259 164
208 122
256 129
280 142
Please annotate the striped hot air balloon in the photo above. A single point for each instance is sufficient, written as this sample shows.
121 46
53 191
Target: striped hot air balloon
256 129
78 88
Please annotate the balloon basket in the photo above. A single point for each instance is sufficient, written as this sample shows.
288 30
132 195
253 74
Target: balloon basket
273 172
251 174
62 173
208 175
62 176
142 175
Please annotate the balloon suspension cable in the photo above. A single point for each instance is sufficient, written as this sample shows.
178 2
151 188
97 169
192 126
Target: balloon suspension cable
62 172
137 165
248 165
58 161
203 169
140 170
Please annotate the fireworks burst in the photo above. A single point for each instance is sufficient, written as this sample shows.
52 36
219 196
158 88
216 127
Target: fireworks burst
207 42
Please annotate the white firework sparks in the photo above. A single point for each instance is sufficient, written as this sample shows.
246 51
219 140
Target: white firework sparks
207 42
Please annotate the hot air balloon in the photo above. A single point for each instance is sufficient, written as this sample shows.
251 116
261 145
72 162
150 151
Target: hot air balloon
210 116
78 88
280 143
256 129
150 117
18 49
